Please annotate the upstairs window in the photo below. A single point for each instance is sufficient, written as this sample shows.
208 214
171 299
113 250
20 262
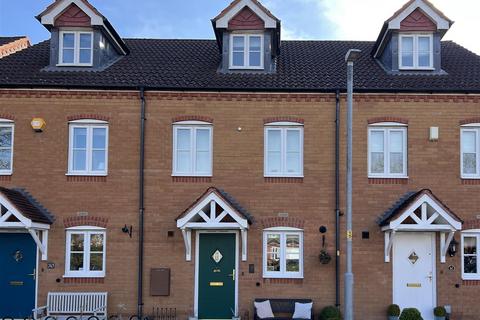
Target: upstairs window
85 254
387 151
6 146
470 151
416 51
246 51
192 145
76 48
283 150
88 148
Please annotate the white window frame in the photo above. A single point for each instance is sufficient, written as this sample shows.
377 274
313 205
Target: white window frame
471 233
5 123
87 231
89 125
283 232
474 127
386 128
283 127
246 53
415 37
76 48
193 126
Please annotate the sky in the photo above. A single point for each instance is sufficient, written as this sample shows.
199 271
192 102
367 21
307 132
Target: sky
301 19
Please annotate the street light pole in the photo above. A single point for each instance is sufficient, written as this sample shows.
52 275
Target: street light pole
350 58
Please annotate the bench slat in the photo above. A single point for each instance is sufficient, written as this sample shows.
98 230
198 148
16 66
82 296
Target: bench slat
77 302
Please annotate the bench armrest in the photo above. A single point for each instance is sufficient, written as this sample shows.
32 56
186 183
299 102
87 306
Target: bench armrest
96 311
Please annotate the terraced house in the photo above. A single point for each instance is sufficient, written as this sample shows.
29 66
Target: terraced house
200 175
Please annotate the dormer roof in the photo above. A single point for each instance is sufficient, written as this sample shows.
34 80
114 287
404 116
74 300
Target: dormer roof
79 13
415 15
246 15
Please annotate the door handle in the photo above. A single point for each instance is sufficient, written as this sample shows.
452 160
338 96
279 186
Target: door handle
430 276
33 275
232 275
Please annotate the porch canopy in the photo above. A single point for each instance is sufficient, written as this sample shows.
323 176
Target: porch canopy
419 211
19 211
214 210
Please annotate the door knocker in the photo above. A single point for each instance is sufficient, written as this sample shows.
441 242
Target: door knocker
18 256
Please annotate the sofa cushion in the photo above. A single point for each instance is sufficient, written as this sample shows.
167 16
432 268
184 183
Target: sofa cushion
303 310
264 309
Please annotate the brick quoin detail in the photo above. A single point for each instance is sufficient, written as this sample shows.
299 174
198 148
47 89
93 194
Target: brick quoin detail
271 222
83 280
283 119
192 179
471 224
88 116
192 118
417 21
387 119
73 16
283 180
85 221
86 178
246 19
387 181
470 120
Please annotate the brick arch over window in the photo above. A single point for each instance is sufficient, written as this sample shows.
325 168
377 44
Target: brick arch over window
7 116
192 118
271 222
73 16
387 119
85 221
470 120
92 116
283 119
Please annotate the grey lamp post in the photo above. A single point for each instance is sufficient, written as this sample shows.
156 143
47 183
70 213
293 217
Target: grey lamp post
351 56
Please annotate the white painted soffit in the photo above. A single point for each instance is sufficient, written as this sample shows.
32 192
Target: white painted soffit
222 22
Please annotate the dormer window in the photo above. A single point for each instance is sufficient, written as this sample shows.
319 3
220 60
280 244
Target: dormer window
416 51
76 48
246 51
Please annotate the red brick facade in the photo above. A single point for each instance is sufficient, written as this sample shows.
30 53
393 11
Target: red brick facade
417 21
238 169
73 16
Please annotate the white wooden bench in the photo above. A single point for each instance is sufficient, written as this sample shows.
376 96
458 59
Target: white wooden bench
64 304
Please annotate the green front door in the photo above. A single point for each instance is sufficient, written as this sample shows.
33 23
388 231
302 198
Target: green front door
216 275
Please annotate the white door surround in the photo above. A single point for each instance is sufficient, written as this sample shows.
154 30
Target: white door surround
414 274
197 267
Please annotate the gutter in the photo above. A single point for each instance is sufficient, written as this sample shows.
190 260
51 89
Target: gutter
245 90
337 198
141 206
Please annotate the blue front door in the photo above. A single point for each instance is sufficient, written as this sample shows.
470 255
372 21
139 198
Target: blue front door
17 275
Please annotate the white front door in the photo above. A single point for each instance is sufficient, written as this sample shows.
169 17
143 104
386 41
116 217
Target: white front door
414 283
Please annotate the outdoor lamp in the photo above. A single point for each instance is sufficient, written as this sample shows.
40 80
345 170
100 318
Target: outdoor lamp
452 248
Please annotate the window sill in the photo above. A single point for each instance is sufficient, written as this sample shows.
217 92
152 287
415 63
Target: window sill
71 174
74 65
416 69
281 277
246 68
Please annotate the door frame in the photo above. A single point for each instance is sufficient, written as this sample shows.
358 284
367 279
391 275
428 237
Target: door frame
433 236
37 255
197 251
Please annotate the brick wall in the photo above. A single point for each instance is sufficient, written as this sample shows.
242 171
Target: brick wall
40 163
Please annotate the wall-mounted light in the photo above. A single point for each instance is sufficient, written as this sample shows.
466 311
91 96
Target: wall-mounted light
127 230
38 124
452 248
324 256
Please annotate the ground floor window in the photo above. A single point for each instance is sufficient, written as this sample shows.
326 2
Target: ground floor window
85 252
470 255
283 253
